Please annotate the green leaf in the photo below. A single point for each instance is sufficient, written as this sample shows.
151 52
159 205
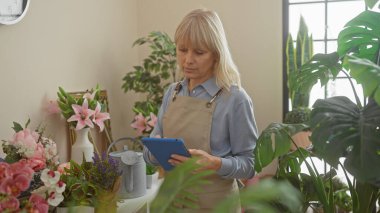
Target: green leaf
260 197
341 129
370 3
17 127
177 185
273 142
366 73
320 67
361 36
27 123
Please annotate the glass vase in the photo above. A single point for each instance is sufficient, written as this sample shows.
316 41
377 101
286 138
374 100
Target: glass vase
82 146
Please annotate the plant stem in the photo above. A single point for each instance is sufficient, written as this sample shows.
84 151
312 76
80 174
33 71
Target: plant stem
353 89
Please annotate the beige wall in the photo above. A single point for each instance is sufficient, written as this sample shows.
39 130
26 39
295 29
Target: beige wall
77 44
70 43
254 31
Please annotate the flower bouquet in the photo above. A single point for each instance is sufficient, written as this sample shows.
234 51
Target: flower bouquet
38 151
21 182
83 112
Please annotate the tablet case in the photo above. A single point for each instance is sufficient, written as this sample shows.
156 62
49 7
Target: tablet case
163 148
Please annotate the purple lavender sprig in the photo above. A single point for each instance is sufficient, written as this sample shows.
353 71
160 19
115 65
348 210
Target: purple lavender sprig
105 171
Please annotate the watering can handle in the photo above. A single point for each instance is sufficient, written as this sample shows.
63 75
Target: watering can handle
119 140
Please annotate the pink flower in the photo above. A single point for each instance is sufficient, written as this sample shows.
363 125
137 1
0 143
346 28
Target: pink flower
100 117
140 124
153 120
82 115
38 203
89 96
26 139
5 171
15 186
37 163
62 166
9 204
52 107
22 167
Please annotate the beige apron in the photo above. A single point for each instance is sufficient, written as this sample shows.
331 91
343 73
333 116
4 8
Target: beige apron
191 118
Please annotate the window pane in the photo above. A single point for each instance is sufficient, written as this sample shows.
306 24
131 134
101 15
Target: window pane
332 46
318 47
317 92
314 16
339 13
342 87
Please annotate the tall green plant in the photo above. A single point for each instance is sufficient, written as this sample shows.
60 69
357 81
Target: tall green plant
342 128
295 58
155 74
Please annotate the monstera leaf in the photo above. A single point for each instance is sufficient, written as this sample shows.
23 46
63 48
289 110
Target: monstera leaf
342 129
367 74
273 142
320 67
361 36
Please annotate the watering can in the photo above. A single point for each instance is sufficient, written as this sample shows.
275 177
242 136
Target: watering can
133 180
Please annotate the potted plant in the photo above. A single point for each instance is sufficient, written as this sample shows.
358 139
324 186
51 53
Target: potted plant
156 73
296 56
151 171
342 128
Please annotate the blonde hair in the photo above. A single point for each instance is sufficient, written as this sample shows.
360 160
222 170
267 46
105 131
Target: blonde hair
203 28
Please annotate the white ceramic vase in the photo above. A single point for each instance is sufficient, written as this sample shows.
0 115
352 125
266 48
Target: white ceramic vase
82 146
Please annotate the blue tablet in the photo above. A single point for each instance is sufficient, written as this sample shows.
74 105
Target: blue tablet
163 148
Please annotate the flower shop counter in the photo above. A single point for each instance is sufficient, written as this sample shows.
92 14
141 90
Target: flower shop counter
135 204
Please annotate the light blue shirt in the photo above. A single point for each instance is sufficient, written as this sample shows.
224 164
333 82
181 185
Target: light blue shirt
233 130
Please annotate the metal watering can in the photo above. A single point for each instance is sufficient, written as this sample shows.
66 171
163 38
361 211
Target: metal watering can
133 183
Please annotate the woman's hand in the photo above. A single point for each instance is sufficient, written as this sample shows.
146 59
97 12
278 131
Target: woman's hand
208 162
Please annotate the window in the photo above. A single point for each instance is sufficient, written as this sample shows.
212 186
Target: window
325 19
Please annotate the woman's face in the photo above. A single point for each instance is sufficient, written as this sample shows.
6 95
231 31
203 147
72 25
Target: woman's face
197 63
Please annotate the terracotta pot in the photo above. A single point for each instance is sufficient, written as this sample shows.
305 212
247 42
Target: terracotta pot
301 139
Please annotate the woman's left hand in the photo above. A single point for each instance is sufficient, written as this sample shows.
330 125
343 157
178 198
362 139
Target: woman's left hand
208 162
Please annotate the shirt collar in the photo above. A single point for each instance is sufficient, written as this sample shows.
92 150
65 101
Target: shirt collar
209 85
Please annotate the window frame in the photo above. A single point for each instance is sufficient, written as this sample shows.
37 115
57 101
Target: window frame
285 29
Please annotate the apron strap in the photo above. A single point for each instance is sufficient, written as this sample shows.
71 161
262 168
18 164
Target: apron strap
178 87
214 97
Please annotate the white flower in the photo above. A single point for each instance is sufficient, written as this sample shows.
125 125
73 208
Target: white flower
50 177
50 151
60 186
54 198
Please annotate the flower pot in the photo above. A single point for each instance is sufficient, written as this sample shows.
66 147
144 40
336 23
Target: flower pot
150 179
82 146
106 200
301 139
74 209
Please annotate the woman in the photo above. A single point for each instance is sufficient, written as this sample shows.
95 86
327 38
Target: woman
209 109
